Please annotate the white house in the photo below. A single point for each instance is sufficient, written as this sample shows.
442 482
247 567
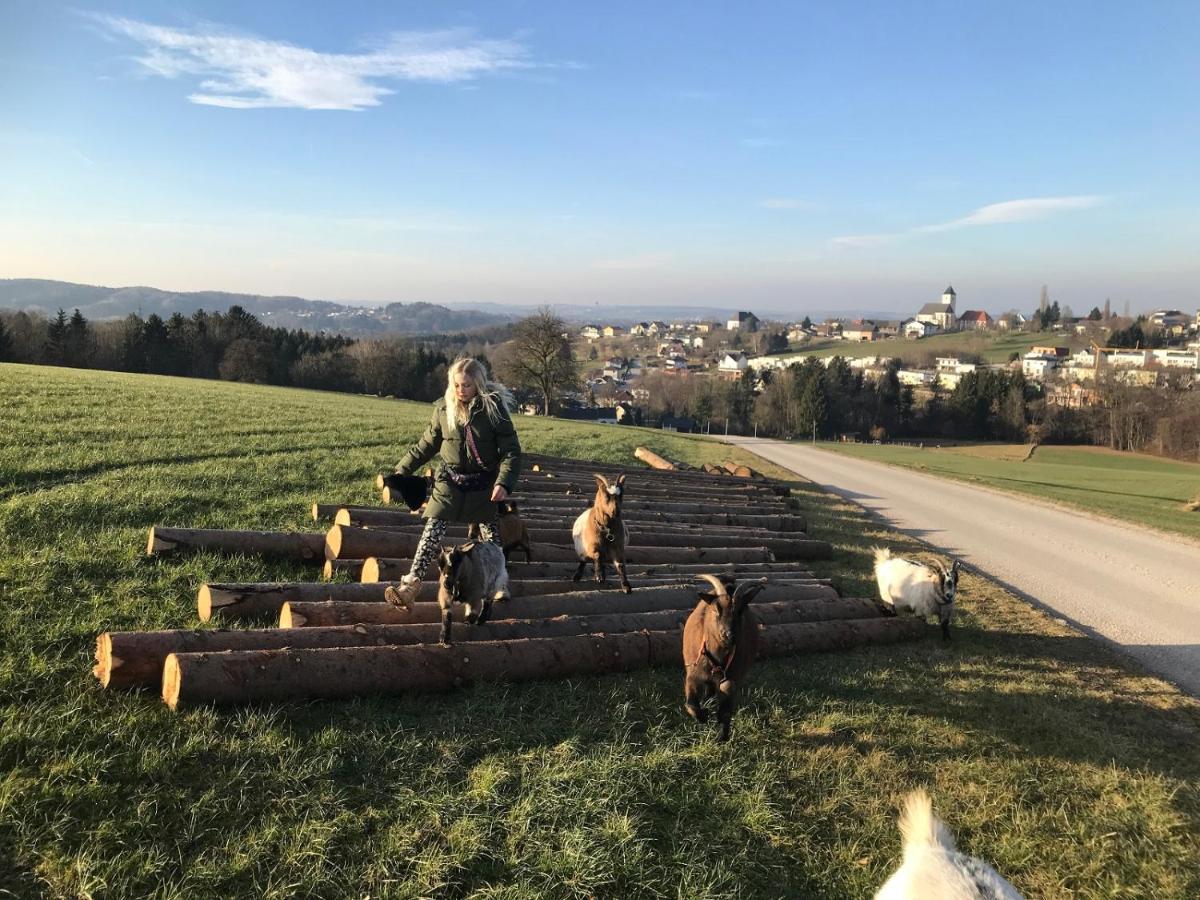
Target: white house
1177 359
591 332
1037 366
916 377
918 329
732 366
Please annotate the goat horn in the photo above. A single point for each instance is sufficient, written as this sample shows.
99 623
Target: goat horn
716 583
749 587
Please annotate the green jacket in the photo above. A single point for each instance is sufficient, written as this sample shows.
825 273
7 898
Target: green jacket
497 445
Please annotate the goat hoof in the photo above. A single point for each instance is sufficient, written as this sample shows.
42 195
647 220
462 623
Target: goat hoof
723 736
696 712
626 589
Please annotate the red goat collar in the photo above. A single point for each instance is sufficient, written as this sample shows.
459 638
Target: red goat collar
722 667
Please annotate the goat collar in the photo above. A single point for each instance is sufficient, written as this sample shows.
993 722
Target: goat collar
718 666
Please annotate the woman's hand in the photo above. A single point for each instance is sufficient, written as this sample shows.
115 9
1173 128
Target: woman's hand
499 493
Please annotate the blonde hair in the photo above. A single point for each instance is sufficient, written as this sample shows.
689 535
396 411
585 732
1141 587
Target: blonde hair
493 395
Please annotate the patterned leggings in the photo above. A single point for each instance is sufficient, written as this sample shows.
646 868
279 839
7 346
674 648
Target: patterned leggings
431 543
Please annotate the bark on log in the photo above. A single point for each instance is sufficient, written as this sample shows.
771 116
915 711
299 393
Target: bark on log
562 466
134 659
350 568
343 542
388 569
290 544
243 676
233 601
643 599
557 517
653 460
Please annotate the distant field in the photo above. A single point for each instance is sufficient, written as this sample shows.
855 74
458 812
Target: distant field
1137 488
1075 775
993 347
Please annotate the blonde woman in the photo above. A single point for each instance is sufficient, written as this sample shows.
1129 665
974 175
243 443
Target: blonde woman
479 461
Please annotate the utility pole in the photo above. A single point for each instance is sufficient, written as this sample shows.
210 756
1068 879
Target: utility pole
727 426
814 432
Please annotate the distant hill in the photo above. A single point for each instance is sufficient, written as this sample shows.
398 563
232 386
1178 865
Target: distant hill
97 303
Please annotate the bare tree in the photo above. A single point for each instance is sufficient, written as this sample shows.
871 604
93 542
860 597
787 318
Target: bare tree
539 357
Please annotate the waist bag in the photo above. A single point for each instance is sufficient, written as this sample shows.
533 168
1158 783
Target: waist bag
468 481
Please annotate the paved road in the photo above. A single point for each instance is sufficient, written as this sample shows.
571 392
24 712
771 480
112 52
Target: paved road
1138 589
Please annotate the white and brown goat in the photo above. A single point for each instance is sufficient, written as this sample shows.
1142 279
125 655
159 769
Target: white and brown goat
600 534
911 587
720 641
474 575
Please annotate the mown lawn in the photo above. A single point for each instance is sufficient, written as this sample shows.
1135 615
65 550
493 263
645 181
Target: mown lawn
994 347
1076 775
1129 486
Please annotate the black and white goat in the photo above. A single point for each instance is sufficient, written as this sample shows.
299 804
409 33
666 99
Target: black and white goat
474 575
933 869
911 587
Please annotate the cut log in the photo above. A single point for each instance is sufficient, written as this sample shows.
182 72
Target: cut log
232 601
244 676
290 544
343 542
350 568
561 517
653 460
129 659
388 569
301 614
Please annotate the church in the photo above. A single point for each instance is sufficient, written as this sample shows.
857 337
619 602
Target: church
940 314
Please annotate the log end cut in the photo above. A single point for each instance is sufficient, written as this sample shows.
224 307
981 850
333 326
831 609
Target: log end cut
370 570
289 619
105 662
333 542
171 680
156 544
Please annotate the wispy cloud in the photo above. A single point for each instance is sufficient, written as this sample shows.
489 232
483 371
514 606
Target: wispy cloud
784 203
1009 211
634 263
246 72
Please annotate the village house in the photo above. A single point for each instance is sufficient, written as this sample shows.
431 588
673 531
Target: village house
613 331
731 367
888 329
641 329
657 327
591 332
974 320
859 331
915 328
916 377
1072 395
1038 366
742 321
1011 321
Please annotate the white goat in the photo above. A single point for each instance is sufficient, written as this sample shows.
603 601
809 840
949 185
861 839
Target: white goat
933 869
913 587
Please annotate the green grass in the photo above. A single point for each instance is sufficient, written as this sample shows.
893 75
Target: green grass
1128 486
992 346
1075 775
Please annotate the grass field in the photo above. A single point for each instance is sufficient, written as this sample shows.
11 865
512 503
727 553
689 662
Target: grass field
992 346
1075 775
1137 488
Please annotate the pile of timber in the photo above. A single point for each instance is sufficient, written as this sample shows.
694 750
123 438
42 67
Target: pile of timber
339 639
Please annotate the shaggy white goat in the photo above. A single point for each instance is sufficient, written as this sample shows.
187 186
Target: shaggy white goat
933 869
913 587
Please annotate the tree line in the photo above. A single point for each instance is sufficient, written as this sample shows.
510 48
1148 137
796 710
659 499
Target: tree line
236 346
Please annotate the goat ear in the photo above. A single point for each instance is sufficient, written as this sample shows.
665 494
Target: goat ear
708 597
464 549
747 591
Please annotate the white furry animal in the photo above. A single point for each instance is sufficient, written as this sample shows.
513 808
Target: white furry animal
913 587
933 869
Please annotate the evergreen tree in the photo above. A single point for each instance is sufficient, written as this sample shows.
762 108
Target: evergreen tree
807 323
1095 314
5 343
78 340
1107 309
56 339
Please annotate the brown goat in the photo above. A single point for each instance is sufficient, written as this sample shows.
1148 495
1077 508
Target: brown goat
720 640
513 533
599 533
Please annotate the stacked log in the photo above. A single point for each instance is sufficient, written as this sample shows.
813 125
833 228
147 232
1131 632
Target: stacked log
239 676
302 614
129 659
343 639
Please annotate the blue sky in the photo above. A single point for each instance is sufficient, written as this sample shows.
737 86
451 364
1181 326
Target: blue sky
777 156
